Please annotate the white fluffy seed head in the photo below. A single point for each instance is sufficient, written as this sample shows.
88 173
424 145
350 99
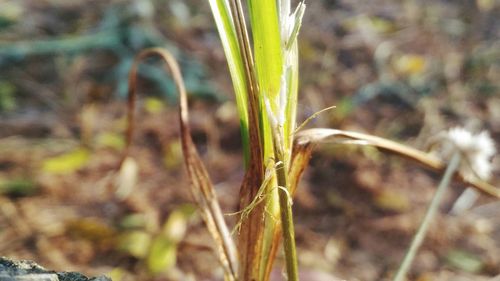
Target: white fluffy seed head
477 151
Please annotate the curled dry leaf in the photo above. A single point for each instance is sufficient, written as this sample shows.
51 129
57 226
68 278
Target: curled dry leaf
202 190
320 135
126 178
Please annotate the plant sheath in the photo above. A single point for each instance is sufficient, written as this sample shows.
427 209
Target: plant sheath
431 212
285 201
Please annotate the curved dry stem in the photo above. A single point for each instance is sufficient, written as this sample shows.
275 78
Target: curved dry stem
201 189
333 135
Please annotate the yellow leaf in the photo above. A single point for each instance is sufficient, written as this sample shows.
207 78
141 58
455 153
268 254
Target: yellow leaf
154 105
66 163
135 243
111 140
162 255
392 201
382 25
172 158
410 64
116 274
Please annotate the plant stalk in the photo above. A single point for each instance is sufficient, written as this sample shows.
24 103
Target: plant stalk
285 200
430 214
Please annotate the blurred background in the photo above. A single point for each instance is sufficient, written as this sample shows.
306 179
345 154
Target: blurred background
403 70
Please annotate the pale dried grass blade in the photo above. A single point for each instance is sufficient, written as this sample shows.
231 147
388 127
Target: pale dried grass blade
320 135
201 189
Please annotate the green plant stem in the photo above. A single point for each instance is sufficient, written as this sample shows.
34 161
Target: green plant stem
285 201
431 212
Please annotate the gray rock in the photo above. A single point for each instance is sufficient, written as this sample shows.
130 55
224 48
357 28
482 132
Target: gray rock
11 270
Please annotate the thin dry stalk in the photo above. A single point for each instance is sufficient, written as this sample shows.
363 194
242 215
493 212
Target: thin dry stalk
432 210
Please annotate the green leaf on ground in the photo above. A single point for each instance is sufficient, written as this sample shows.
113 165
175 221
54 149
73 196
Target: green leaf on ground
464 260
17 187
7 91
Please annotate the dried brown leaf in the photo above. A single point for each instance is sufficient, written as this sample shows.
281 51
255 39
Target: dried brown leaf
202 190
333 135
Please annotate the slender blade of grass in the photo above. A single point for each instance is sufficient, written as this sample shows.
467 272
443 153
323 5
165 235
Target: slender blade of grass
292 98
227 33
267 45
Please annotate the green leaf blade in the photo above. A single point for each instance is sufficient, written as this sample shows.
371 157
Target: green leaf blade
267 45
224 22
